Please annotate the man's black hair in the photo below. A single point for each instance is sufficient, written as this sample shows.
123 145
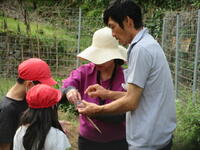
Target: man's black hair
118 10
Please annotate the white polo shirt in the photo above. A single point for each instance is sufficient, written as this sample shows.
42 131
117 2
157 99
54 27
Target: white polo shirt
150 126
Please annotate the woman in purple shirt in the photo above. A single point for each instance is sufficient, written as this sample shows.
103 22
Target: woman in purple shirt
104 132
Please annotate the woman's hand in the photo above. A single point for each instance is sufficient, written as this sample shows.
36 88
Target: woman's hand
73 96
89 109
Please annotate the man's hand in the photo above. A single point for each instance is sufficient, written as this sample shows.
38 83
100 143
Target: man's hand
73 96
89 109
97 90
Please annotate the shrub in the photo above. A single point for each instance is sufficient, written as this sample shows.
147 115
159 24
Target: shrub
66 106
187 134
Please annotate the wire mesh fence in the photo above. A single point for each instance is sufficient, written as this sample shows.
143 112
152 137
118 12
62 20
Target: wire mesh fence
180 41
51 37
57 35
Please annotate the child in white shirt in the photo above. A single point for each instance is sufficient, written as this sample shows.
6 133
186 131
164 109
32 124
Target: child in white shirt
39 127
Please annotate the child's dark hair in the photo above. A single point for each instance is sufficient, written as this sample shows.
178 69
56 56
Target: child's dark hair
40 121
21 81
118 10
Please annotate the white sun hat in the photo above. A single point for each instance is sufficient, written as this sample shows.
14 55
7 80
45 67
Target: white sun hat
104 48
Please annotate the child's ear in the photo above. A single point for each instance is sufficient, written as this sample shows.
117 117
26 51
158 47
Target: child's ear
28 84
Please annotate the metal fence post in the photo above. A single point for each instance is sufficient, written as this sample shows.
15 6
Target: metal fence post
79 36
196 58
177 56
163 33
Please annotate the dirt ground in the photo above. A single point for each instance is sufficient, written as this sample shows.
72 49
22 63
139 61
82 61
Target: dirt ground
73 135
71 128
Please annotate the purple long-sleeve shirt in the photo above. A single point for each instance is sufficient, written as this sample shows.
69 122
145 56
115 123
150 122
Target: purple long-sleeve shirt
81 78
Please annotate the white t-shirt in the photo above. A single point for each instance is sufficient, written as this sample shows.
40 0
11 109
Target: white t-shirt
55 139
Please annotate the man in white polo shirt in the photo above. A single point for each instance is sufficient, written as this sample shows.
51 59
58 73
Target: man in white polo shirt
149 100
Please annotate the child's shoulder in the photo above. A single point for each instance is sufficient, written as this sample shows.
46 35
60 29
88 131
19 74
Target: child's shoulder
54 132
56 138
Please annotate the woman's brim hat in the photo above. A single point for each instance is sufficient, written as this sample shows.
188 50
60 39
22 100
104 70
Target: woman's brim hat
104 48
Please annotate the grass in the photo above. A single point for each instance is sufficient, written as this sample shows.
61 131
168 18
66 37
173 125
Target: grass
39 30
186 135
45 31
5 85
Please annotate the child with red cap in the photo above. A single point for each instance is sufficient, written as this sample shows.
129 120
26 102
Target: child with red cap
40 128
30 72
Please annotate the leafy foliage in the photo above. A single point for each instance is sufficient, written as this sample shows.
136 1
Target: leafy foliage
95 7
187 134
66 106
5 85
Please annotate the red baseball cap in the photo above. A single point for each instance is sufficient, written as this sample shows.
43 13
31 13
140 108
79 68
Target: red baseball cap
42 96
36 69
